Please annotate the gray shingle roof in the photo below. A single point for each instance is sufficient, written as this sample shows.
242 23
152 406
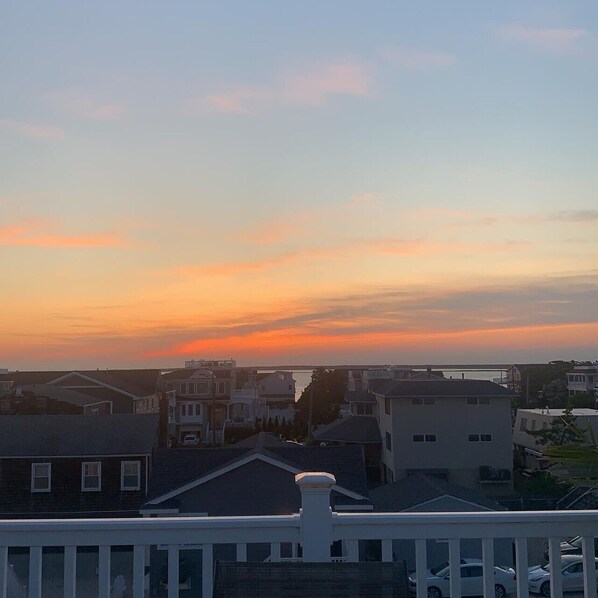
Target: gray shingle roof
140 383
439 388
417 489
362 429
77 435
55 392
261 439
173 468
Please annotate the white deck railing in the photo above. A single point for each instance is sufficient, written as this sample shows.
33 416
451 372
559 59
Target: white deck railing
315 529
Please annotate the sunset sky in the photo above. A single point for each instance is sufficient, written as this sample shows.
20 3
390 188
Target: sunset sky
318 181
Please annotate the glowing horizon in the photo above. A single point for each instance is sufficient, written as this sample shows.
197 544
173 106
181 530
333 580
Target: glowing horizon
279 184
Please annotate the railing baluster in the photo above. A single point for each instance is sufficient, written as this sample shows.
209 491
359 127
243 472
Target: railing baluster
70 571
173 571
554 556
421 566
488 562
589 566
455 566
275 552
387 551
521 567
104 572
242 553
138 571
3 570
35 572
207 569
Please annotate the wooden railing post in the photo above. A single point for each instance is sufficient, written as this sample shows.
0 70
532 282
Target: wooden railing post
316 515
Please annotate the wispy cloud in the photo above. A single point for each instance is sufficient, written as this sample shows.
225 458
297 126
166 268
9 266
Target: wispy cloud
551 39
397 316
312 87
32 129
411 59
396 246
85 105
44 235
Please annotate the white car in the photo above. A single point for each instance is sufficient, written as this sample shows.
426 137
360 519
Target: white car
571 571
190 440
472 580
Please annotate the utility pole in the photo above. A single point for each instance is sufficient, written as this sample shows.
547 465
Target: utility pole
311 407
213 393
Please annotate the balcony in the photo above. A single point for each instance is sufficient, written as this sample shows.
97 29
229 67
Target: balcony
310 533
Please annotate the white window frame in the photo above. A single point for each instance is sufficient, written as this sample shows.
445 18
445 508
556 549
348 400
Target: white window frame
99 476
123 464
34 477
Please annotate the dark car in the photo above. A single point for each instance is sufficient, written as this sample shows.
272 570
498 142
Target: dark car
573 546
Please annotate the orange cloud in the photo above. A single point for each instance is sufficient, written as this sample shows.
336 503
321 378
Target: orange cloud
295 341
31 236
313 87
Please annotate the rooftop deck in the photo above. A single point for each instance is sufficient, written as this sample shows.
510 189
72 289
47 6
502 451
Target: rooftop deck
306 536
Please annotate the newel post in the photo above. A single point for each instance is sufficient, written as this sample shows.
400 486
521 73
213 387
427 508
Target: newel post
316 515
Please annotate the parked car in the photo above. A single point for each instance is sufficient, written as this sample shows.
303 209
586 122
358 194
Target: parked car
190 440
571 570
573 546
472 580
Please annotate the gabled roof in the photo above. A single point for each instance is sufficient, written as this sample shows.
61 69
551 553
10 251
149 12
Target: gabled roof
439 388
360 429
138 383
419 489
177 470
54 392
77 435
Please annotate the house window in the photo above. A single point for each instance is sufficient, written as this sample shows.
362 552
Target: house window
486 437
369 410
533 424
474 438
523 424
388 442
130 475
41 477
483 401
91 476
202 388
424 438
472 401
417 402
183 388
220 388
429 401
387 405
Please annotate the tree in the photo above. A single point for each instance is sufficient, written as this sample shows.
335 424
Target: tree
562 430
576 454
328 387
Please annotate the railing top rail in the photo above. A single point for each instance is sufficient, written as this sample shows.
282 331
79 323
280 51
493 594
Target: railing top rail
164 530
347 526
